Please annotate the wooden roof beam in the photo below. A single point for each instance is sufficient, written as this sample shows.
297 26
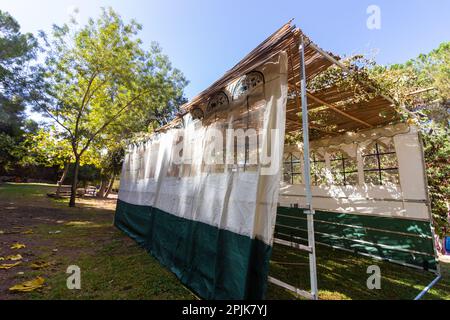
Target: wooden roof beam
323 130
313 126
334 108
420 91
344 67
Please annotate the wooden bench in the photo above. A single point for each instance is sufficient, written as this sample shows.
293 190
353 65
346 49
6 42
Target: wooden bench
91 191
66 192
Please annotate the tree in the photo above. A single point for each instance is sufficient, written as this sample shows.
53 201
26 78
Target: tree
17 74
98 74
111 165
422 86
7 148
437 155
47 147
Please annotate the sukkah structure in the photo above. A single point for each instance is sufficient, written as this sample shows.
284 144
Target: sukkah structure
211 192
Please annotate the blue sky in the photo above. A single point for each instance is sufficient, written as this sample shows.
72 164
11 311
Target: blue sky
205 38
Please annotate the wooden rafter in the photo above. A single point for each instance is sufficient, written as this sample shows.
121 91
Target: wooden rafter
336 109
287 39
420 91
297 97
330 106
338 63
323 130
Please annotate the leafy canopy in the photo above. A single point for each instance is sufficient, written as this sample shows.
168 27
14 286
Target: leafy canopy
17 75
99 75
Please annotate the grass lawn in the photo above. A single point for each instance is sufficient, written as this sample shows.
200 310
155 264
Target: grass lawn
114 267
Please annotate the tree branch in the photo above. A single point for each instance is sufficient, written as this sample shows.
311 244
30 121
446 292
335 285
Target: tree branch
83 104
113 118
43 107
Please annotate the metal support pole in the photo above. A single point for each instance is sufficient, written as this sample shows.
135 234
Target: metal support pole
428 287
307 176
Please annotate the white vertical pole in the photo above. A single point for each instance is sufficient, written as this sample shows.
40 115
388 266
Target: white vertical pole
307 176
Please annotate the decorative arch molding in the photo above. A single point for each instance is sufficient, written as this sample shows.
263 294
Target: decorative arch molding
197 113
217 101
247 84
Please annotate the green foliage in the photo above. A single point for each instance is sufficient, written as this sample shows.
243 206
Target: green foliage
431 72
88 174
437 155
48 148
12 116
103 86
421 84
17 51
100 76
45 148
341 79
8 146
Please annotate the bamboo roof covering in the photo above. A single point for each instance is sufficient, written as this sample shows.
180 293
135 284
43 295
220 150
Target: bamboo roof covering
333 110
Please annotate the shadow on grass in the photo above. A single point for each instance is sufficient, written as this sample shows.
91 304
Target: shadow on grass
112 268
343 275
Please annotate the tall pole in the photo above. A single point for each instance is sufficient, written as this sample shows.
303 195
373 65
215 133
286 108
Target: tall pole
307 175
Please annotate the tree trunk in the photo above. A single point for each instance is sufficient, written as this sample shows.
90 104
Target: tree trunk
61 181
102 190
111 183
73 194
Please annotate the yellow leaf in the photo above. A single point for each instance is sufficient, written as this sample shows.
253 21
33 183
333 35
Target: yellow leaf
28 286
7 266
78 223
411 121
14 258
27 232
18 246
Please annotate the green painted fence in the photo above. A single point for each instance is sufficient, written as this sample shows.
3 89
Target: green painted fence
398 240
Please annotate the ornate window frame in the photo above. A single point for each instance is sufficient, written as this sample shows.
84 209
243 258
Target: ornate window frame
380 167
217 101
247 84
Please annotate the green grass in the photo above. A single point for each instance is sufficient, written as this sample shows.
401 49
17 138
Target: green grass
111 271
114 267
16 191
342 275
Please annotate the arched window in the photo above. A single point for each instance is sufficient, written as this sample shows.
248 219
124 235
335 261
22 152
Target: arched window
318 167
247 84
344 169
292 169
380 164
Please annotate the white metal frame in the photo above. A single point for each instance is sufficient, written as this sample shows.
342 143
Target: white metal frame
309 210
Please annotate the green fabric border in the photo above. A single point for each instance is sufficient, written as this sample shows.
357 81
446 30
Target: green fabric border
415 235
214 263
